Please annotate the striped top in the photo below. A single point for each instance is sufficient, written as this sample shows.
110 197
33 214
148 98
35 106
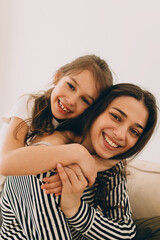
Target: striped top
28 213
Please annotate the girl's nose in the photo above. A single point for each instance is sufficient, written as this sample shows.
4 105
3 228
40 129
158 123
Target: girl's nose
72 99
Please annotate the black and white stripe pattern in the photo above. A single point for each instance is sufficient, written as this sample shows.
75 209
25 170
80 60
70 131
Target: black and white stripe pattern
28 213
38 214
117 223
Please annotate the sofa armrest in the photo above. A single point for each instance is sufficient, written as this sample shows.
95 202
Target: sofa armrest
143 183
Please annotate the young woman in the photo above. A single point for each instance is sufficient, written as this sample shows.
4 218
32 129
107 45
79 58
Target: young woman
111 129
76 87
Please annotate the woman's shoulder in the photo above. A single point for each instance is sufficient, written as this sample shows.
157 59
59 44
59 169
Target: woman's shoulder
118 168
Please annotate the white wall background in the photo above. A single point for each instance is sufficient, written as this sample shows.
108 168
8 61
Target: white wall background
37 37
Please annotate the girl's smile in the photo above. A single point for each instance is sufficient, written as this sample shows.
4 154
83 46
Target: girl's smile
63 108
73 94
118 128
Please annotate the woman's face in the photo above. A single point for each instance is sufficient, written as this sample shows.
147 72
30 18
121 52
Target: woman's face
119 127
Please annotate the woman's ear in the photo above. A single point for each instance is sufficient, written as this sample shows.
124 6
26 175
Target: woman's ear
57 77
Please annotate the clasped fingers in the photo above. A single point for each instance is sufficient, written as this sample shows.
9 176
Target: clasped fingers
73 178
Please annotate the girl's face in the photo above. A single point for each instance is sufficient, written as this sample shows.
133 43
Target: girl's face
119 127
73 94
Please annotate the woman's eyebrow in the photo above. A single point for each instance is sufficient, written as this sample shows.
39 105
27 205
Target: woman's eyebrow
138 125
120 111
125 115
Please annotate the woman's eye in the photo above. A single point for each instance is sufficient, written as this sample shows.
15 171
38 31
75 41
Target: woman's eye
70 86
85 101
117 118
135 132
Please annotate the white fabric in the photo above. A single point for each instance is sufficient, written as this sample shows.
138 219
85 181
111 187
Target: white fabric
22 109
144 188
2 133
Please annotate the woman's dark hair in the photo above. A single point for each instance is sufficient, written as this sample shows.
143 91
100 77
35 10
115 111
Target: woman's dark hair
82 124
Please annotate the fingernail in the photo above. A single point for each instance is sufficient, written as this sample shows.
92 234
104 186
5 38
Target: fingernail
59 165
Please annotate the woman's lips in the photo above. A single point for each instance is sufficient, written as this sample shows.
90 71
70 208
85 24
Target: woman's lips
110 144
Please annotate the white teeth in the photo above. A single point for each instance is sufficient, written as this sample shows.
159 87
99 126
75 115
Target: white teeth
112 144
64 109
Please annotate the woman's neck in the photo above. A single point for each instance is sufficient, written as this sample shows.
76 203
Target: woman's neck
88 144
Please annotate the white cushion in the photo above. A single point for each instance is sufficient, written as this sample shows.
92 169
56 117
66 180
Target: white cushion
144 188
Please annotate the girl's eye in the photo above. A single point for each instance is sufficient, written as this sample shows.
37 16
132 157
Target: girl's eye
85 101
135 132
116 117
70 86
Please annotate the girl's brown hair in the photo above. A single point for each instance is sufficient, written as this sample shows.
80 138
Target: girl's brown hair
42 117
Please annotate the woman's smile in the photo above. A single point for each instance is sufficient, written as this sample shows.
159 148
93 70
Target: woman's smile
110 144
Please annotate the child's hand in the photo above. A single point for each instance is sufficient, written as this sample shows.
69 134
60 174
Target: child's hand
74 184
86 162
52 184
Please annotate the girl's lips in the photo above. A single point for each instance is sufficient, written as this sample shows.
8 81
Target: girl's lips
109 143
63 108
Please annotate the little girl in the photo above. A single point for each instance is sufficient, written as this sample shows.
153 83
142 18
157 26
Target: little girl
76 87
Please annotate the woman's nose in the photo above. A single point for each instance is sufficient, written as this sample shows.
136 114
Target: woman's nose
120 132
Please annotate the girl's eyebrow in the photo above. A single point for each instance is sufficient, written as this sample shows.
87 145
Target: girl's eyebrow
125 115
74 80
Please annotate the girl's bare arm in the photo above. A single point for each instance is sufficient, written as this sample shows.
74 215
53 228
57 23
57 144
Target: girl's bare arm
17 159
